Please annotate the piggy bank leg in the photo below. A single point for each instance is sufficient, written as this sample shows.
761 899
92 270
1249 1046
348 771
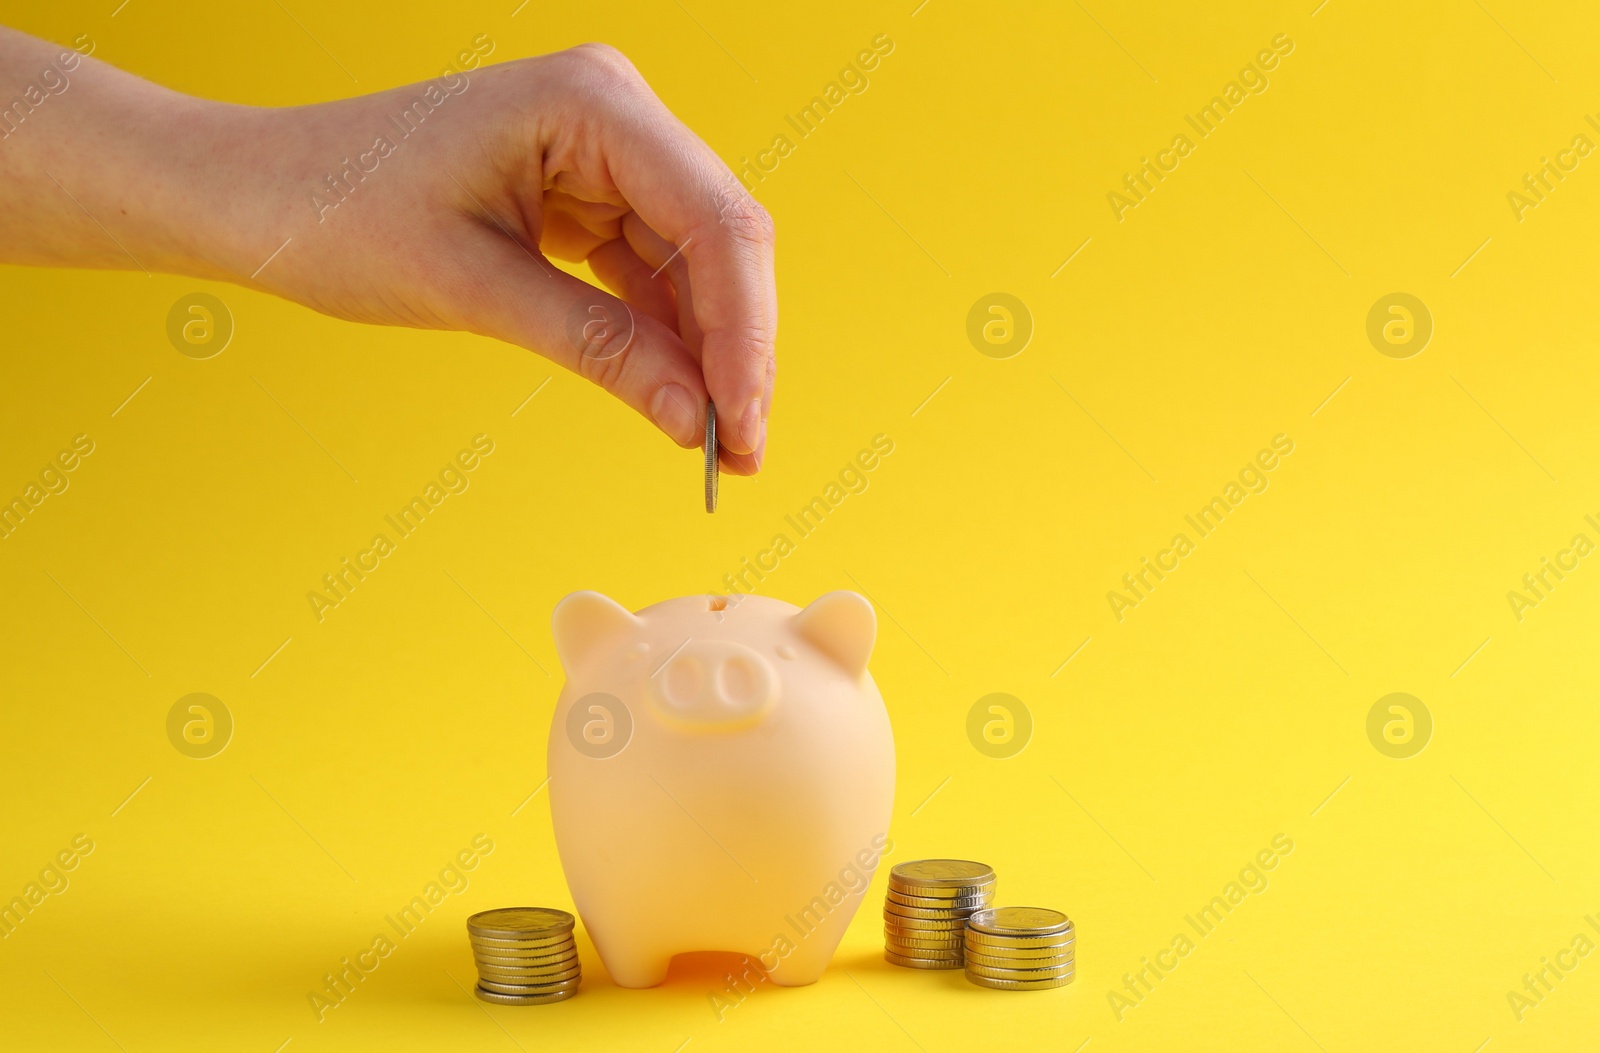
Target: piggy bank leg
804 965
634 966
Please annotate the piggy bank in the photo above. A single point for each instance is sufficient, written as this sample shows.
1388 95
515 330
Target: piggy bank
721 778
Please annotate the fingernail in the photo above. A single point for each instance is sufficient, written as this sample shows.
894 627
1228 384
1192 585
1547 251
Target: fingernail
761 447
750 428
674 413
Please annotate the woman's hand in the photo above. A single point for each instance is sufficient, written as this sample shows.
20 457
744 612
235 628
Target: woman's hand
434 206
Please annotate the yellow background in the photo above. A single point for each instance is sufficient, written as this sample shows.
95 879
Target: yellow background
1224 710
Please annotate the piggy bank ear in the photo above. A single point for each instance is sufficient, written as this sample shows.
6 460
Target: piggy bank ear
842 626
585 620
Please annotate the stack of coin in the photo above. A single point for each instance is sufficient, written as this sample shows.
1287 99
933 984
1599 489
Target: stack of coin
1019 948
525 955
927 907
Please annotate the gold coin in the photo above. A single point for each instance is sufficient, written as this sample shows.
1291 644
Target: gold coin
942 895
1019 985
943 937
900 910
921 963
955 925
540 945
906 951
558 983
518 961
516 966
524 964
529 984
1021 921
901 940
512 999
932 963
520 923
932 945
892 927
1005 972
993 973
908 899
529 976
988 939
527 954
908 880
530 938
911 950
1000 961
508 988
522 949
923 873
1019 953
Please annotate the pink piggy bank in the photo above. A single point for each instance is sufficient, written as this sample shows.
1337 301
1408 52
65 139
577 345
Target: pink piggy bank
721 778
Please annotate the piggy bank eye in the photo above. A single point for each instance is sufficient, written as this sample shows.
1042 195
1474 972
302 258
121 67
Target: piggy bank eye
785 651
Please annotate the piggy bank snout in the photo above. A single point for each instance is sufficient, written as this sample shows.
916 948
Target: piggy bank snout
715 683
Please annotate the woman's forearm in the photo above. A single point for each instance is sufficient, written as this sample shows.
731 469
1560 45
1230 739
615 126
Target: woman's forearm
104 169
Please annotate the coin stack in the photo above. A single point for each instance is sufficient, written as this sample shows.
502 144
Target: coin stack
927 908
525 955
1020 948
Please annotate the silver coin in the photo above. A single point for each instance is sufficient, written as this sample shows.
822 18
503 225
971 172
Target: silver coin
713 470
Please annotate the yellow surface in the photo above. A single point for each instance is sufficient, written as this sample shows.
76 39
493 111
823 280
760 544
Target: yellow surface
1222 711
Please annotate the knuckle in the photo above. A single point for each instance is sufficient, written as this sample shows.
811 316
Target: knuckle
752 346
603 353
746 218
602 61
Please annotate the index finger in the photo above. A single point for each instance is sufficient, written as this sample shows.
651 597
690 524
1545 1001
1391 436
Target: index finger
684 192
